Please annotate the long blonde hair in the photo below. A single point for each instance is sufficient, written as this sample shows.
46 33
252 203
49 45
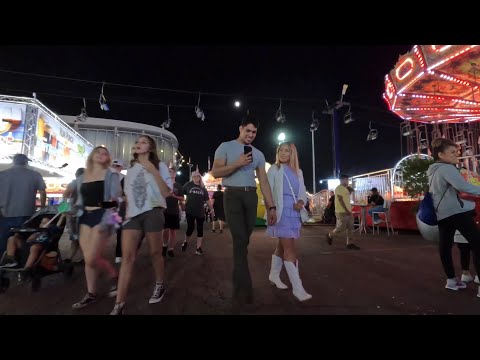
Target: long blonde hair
89 166
293 156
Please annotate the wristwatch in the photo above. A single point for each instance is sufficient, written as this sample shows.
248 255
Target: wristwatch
272 208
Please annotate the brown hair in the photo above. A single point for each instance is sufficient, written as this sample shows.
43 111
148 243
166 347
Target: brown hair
440 145
152 156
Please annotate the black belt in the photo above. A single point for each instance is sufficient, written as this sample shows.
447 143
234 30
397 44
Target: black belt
242 188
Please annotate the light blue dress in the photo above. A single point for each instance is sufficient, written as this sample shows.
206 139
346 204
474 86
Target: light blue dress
290 222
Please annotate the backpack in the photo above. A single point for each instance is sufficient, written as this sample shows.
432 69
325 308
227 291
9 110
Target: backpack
427 213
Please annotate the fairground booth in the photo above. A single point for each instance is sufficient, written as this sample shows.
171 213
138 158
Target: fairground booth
56 150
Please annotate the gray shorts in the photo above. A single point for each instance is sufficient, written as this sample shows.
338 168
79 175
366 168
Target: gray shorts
150 221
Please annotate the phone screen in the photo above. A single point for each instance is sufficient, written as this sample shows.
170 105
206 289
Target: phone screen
247 149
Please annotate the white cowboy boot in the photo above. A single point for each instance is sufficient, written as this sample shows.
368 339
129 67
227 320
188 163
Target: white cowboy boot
274 276
298 290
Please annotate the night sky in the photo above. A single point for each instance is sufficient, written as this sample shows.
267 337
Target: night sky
308 75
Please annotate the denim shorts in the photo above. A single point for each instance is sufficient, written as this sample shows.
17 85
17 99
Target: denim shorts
91 218
149 221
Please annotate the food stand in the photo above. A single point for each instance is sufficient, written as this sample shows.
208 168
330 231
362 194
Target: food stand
29 127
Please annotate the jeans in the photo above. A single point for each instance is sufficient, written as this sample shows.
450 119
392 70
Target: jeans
374 209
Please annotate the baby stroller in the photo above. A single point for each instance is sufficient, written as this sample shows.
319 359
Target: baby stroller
49 260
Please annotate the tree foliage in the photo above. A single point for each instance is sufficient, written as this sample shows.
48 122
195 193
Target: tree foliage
415 179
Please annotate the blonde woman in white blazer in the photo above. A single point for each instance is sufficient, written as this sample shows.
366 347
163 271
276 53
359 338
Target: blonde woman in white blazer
289 196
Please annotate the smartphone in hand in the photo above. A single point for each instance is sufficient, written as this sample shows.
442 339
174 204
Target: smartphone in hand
247 149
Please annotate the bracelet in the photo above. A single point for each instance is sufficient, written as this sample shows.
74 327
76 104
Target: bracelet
272 208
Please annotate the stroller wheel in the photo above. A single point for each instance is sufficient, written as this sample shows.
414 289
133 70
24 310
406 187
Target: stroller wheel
4 284
67 270
36 282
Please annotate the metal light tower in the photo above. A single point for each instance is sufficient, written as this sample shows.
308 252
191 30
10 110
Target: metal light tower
314 127
332 111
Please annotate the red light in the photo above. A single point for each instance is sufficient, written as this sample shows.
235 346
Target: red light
443 48
408 71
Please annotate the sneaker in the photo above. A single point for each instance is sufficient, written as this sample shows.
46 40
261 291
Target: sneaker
164 250
113 289
353 247
329 239
477 280
379 221
466 278
170 254
9 262
118 309
87 300
184 246
158 293
118 260
199 251
455 284
26 275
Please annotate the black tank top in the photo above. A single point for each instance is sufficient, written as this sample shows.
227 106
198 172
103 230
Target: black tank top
92 193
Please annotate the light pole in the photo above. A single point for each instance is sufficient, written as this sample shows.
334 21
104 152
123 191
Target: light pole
190 165
313 128
333 112
313 163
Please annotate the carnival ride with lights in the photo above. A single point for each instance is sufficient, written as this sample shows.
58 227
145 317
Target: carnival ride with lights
434 89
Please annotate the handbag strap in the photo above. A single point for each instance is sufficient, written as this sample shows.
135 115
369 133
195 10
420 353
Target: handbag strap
290 186
448 185
433 176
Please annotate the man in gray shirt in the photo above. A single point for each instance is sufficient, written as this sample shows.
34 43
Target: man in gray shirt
236 162
19 185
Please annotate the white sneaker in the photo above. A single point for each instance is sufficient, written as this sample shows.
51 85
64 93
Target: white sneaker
158 293
118 260
118 309
467 278
455 284
477 280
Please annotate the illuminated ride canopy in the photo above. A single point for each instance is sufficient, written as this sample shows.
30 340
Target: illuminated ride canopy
436 84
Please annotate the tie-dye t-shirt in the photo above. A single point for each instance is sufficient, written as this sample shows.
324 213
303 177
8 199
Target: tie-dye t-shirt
142 191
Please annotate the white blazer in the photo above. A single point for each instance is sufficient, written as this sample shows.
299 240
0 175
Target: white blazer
276 178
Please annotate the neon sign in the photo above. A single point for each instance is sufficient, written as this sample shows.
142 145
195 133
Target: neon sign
407 62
